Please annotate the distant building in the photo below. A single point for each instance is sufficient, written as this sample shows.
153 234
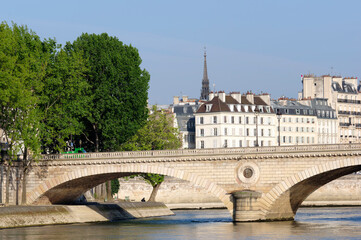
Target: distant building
309 121
327 122
184 110
343 95
235 120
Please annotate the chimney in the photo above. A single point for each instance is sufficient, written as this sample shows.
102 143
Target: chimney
211 96
237 96
266 98
250 97
222 96
185 99
175 100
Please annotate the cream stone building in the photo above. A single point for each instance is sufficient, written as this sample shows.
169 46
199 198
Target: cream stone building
297 123
183 110
327 122
306 122
235 120
343 96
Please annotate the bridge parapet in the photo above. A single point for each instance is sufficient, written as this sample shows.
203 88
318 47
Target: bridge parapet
200 152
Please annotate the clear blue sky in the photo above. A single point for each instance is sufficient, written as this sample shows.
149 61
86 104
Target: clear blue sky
263 46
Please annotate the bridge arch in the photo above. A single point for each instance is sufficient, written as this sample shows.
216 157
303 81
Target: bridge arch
71 185
283 200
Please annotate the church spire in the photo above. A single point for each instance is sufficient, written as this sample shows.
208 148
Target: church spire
205 80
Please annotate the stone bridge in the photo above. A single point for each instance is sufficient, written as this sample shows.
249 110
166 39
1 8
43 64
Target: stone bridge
264 183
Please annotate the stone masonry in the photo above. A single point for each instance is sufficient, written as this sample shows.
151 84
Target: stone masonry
265 183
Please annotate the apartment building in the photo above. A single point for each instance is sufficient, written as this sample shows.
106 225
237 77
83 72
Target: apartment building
297 123
235 120
343 95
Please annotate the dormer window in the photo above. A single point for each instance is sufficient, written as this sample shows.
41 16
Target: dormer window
231 107
208 107
238 108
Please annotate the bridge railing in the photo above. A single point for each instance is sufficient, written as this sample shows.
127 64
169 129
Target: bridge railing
212 151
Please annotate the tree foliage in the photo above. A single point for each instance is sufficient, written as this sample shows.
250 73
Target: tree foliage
157 134
118 91
22 69
64 100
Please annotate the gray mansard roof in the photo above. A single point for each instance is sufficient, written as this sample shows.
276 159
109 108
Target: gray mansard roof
316 107
345 88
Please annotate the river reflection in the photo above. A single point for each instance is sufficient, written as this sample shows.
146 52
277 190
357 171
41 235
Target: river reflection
310 223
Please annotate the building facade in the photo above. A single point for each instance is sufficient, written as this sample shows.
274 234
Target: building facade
183 110
235 120
343 95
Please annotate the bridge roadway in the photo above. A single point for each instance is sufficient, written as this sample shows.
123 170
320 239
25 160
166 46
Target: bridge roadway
264 183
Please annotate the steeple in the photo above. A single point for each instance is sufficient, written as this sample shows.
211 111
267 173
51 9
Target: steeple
205 80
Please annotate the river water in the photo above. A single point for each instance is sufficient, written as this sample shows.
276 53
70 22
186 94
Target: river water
309 223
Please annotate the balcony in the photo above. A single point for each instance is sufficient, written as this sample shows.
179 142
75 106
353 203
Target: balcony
345 124
348 101
344 112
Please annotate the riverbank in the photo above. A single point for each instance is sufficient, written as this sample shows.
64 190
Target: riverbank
24 216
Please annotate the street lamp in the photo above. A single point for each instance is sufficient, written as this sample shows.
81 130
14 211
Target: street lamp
256 112
279 116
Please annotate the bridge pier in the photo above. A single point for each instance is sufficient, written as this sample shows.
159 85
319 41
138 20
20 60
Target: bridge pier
245 206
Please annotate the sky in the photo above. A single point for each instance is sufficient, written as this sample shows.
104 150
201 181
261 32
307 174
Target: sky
258 46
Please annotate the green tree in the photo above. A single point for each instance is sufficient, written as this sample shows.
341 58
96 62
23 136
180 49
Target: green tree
157 134
22 69
64 99
42 94
118 91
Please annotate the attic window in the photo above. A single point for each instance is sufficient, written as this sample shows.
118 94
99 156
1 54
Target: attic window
208 107
231 107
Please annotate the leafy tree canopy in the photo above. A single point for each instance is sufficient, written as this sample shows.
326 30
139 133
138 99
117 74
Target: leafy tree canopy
118 90
22 70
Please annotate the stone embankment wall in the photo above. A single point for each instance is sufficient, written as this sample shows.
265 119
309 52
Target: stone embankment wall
23 216
177 193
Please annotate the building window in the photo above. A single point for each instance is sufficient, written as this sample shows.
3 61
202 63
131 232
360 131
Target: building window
290 139
255 132
202 144
202 132
247 132
225 143
269 132
247 120
225 119
201 120
284 139
240 120
261 120
232 119
240 143
208 107
214 119
215 132
225 131
262 132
